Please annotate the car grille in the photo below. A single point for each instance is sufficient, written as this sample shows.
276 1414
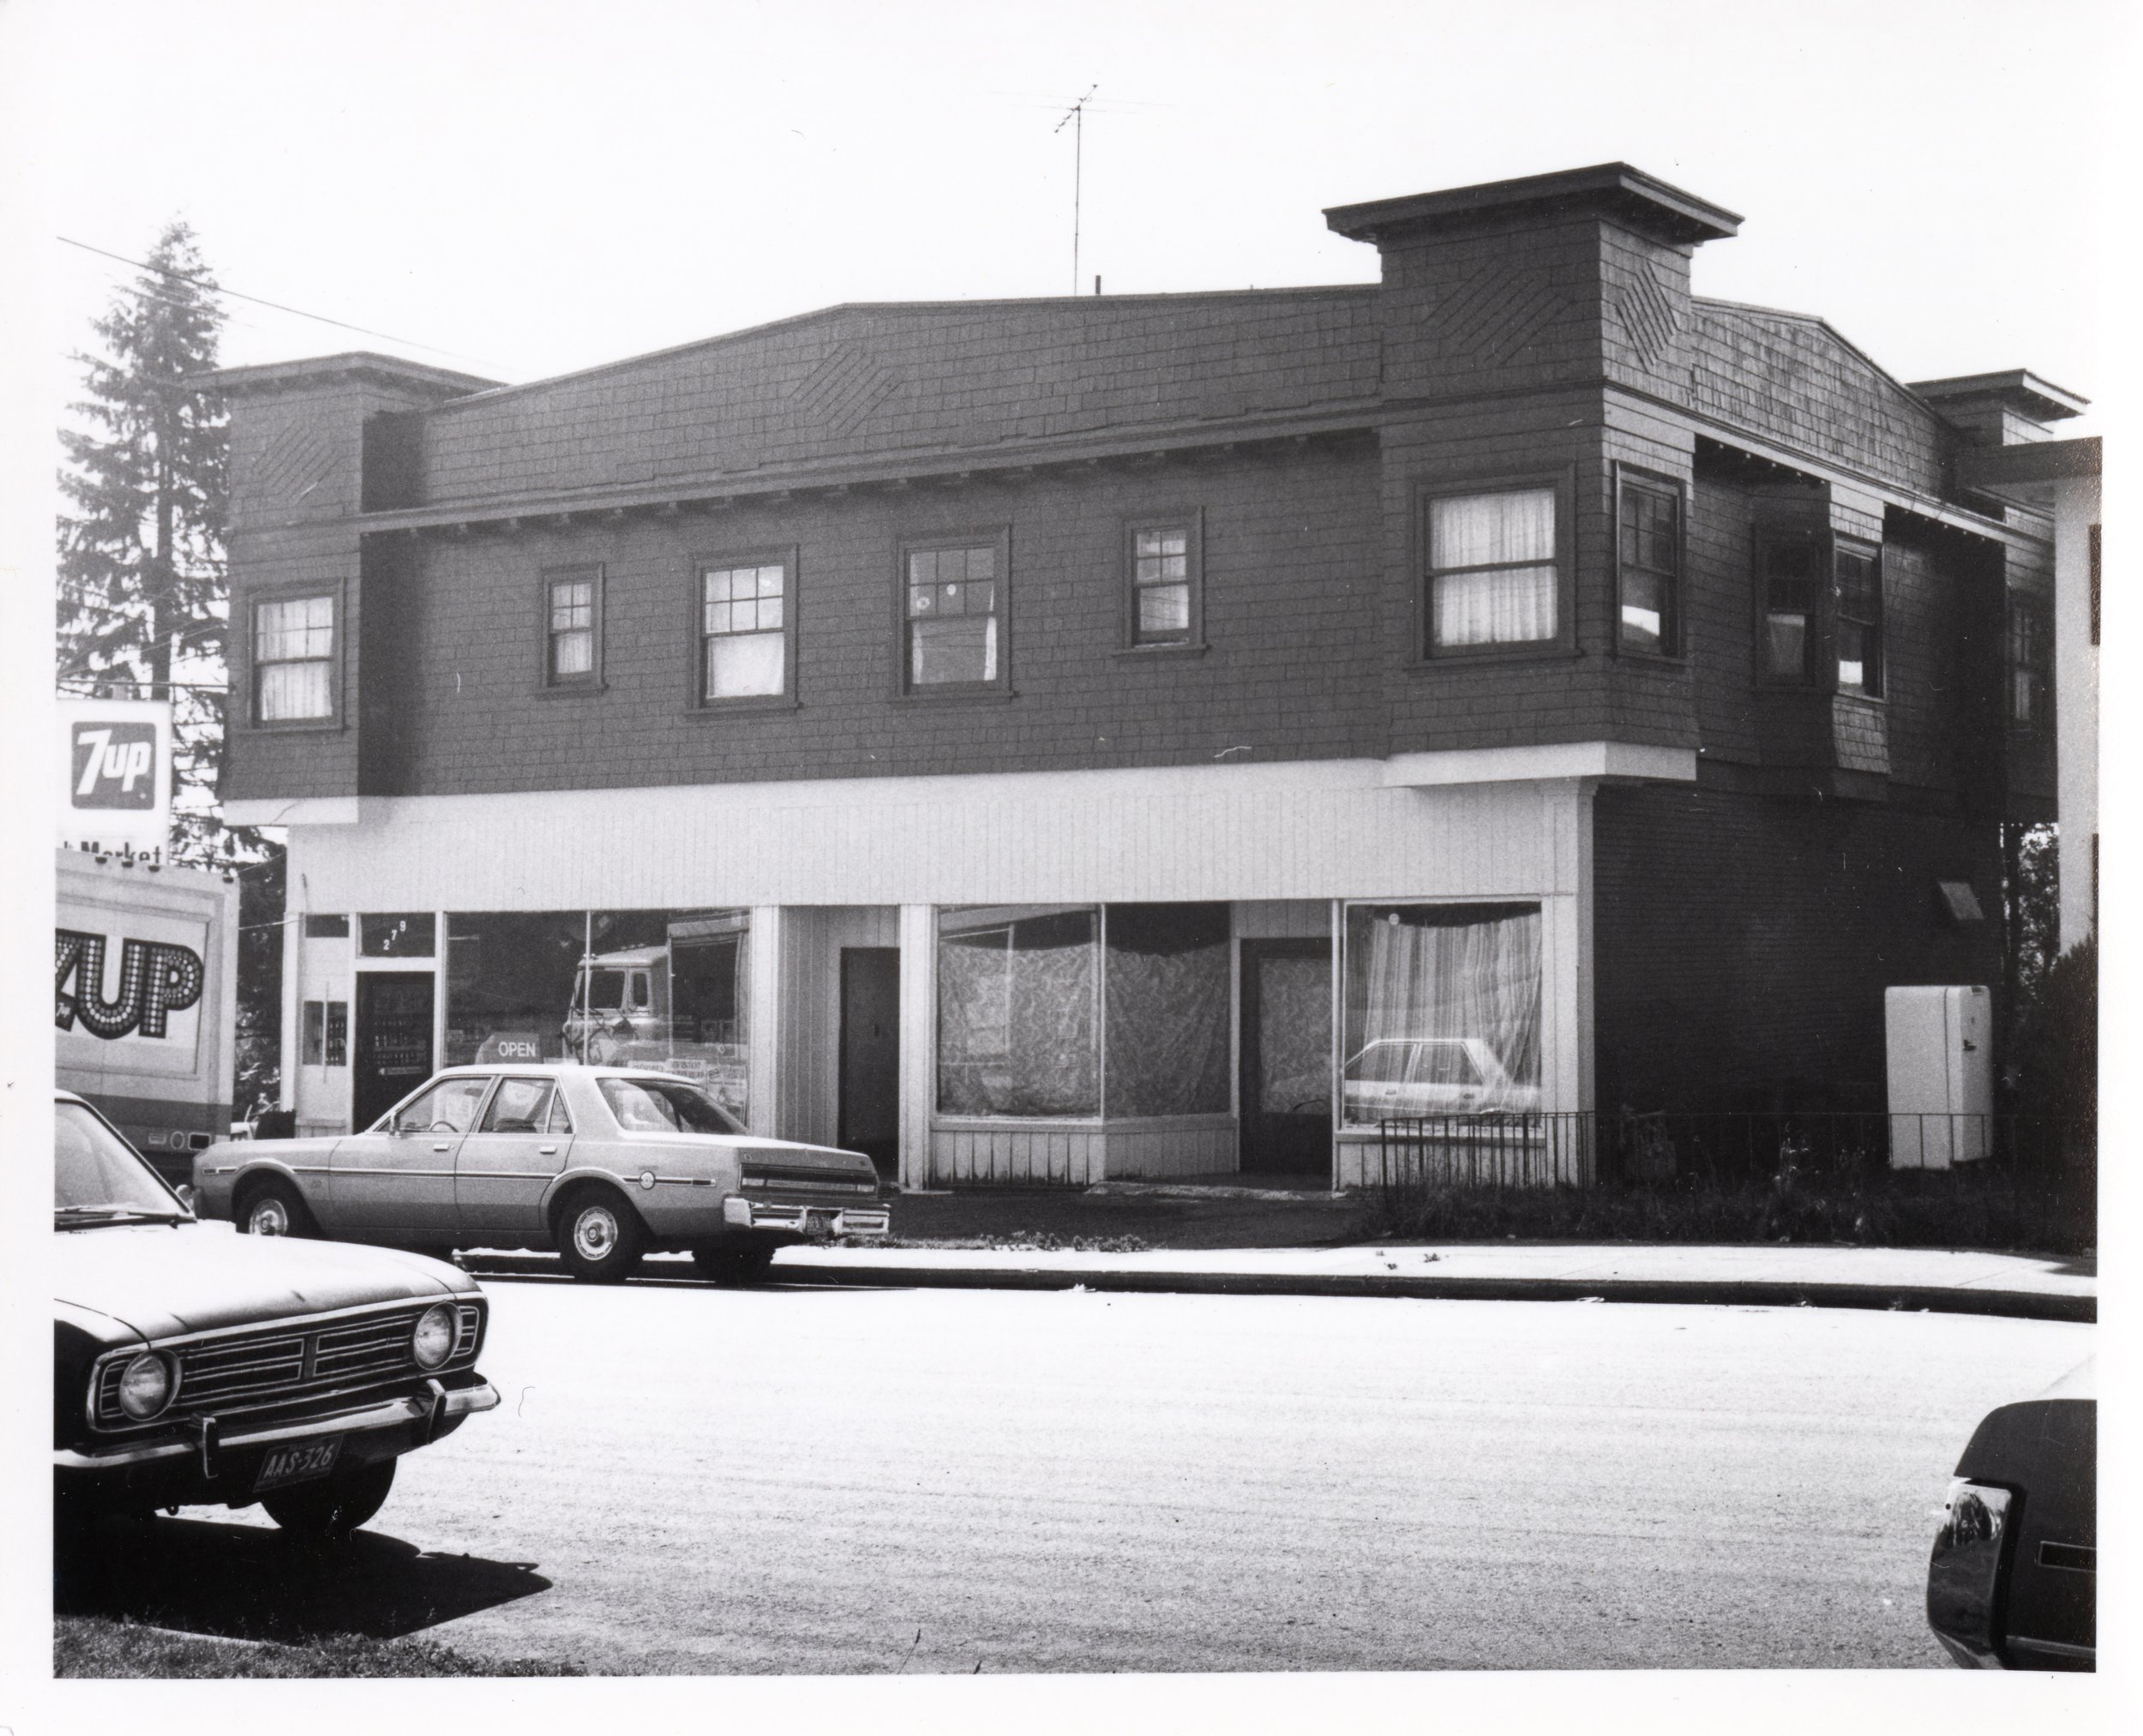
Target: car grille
807 1178
246 1370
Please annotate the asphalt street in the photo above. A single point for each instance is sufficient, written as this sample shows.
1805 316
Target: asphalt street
785 1479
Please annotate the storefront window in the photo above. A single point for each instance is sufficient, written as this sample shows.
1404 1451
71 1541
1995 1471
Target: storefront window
1016 1012
1442 1011
509 984
1169 993
668 989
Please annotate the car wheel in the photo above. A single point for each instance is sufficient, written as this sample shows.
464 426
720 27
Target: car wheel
320 1515
600 1237
274 1209
731 1265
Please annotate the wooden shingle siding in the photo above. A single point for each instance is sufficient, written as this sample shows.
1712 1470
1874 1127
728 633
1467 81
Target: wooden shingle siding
883 379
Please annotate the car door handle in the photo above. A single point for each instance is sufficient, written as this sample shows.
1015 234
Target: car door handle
547 1150
443 1148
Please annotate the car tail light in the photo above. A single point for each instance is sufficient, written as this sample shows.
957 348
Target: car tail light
1964 1575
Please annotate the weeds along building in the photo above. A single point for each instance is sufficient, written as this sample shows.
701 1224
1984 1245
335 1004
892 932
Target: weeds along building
1150 735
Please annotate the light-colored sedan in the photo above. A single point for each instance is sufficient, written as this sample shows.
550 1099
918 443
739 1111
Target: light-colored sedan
1430 1076
605 1164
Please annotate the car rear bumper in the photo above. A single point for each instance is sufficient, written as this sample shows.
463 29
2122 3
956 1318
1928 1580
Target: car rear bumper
794 1218
204 1460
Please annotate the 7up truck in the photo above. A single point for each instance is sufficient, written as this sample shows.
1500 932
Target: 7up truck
146 954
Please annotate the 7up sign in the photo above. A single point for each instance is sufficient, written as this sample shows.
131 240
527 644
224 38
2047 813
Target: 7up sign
115 760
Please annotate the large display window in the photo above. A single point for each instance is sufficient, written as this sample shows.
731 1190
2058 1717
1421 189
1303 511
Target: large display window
1442 1011
657 988
1016 1018
1025 991
1169 989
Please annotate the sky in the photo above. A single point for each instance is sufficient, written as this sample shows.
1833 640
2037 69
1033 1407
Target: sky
517 189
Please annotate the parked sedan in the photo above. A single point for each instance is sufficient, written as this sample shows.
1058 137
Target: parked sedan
190 1367
1399 1076
603 1164
2013 1582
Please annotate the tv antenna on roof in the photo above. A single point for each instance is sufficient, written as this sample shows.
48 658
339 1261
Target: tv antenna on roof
1075 117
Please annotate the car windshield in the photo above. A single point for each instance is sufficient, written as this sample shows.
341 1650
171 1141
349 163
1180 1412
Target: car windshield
98 1179
1424 1061
665 1105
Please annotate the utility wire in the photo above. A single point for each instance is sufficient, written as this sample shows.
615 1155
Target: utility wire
201 280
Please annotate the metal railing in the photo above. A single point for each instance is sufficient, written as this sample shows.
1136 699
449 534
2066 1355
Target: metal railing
2007 1178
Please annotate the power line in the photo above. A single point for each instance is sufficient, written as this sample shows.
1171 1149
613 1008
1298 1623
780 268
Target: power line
201 282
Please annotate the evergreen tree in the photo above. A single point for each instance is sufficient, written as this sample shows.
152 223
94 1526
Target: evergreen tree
143 597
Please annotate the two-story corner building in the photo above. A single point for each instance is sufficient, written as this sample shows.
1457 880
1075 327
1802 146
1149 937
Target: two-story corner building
1150 735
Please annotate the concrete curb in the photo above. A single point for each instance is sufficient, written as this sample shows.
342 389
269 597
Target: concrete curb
1751 1293
2021 1305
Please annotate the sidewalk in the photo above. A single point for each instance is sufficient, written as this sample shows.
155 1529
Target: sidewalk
2024 1286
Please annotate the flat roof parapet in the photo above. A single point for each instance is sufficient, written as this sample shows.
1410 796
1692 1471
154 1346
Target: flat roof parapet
1644 201
267 377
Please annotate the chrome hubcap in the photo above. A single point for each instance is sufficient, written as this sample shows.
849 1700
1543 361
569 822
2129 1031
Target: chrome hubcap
594 1232
268 1218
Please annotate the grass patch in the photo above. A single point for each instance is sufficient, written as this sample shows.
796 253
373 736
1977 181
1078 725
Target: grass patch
97 1646
1979 1208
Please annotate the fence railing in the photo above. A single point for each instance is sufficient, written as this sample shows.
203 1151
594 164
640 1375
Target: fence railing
1576 1148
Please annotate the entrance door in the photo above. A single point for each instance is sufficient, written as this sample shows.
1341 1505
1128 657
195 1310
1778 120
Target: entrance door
1286 1057
394 1041
870 1053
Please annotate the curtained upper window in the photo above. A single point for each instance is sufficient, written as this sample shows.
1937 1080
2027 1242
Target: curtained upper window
1492 573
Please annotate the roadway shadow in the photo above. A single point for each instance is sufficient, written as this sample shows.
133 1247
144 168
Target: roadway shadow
249 1582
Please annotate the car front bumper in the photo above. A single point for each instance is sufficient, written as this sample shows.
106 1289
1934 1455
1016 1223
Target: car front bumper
202 1461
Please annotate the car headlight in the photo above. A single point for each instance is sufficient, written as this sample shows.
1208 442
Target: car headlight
1964 1575
145 1387
433 1341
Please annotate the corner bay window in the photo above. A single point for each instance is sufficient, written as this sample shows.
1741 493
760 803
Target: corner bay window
1648 557
1787 575
1859 594
743 631
570 654
1024 991
1442 1011
1493 572
2031 662
293 652
954 608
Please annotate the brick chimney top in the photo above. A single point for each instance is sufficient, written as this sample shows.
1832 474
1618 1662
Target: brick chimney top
1615 191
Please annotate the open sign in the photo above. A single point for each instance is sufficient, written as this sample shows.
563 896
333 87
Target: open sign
510 1046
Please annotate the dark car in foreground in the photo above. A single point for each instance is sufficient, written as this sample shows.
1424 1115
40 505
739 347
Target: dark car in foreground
603 1164
2013 1584
193 1367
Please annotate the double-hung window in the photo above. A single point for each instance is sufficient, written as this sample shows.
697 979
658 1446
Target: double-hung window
1791 594
1164 559
2030 662
953 615
1648 560
744 628
1493 575
573 622
1858 590
293 659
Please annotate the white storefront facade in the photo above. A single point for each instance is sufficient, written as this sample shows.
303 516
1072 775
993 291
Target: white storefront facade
1049 978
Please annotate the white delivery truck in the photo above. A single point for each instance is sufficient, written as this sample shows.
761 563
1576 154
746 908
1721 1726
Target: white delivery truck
146 999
